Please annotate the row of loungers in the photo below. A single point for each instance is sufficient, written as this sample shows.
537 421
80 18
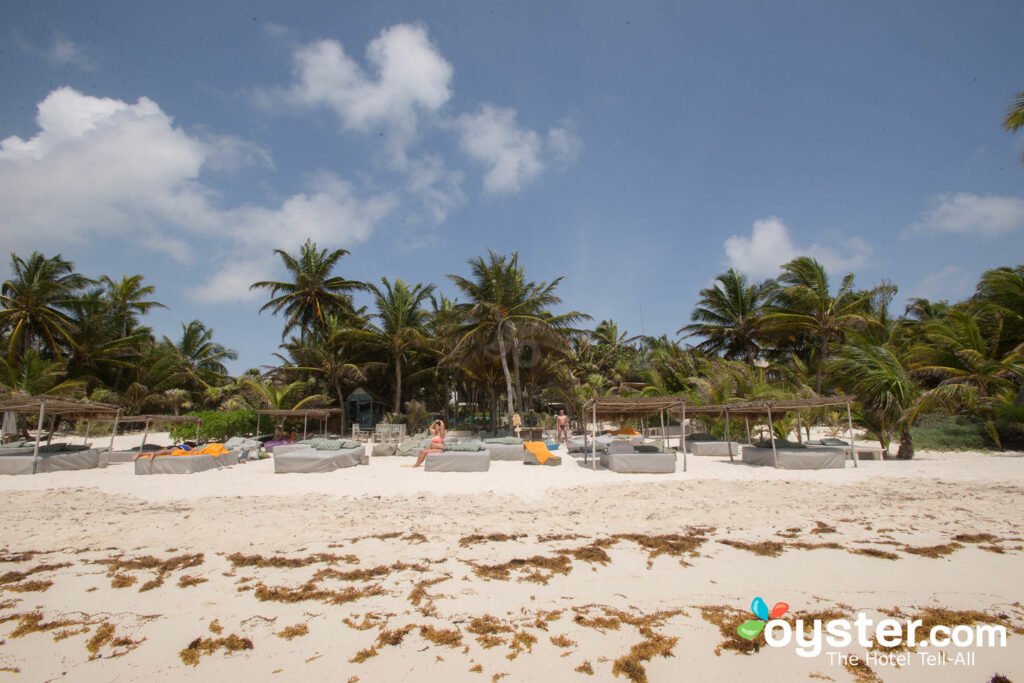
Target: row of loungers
58 457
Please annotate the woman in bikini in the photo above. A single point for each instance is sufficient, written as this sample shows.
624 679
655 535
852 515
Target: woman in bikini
436 442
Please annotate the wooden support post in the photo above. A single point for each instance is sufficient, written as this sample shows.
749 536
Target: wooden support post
197 431
144 435
747 419
39 433
853 444
53 425
728 441
682 431
594 434
257 424
305 424
88 426
113 433
664 434
771 431
799 429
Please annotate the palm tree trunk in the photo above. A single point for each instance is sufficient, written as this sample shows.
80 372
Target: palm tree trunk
508 375
906 449
519 384
398 384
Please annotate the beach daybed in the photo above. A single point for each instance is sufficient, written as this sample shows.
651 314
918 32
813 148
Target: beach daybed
57 457
619 460
319 455
468 456
209 457
793 457
508 448
730 448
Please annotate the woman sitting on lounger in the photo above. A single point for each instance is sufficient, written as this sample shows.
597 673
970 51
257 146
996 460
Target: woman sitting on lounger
436 442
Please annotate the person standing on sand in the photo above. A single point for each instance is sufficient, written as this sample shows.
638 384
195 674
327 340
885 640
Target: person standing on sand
562 424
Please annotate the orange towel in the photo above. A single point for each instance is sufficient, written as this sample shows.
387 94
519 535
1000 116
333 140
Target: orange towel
625 431
539 449
214 449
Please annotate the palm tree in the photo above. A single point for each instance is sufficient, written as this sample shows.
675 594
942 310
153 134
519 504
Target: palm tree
36 299
403 321
31 374
804 310
283 396
500 301
729 316
199 360
313 293
126 299
1015 116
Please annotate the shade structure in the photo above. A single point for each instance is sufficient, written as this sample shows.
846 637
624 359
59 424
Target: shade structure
54 405
633 407
149 421
304 413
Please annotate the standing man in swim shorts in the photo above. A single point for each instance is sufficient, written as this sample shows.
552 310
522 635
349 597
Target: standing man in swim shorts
562 423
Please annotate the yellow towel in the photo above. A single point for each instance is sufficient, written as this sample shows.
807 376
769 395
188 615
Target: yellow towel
625 431
214 449
539 449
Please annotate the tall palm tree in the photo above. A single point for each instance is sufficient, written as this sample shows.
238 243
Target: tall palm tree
729 316
31 374
199 359
805 310
501 300
313 292
402 322
36 299
127 300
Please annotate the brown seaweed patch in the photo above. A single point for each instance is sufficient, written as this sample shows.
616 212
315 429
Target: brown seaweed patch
440 636
764 548
673 545
122 581
592 553
933 551
367 574
279 562
585 668
559 564
370 620
16 576
29 586
419 592
548 538
207 646
415 538
727 619
562 641
488 624
476 669
363 655
822 528
68 633
187 581
875 553
394 637
631 665
310 591
290 632
32 622
862 673
998 550
976 538
473 539
521 640
215 627
166 566
105 637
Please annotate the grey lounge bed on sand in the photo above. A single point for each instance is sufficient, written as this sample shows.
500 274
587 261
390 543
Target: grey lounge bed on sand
814 458
509 452
458 461
712 447
180 464
307 459
639 463
56 457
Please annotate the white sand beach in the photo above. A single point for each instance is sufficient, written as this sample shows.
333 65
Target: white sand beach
518 574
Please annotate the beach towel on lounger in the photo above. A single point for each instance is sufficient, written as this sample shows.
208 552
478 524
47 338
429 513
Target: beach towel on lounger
539 450
214 449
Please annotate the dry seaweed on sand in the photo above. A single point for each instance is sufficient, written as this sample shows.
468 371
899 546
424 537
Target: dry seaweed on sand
122 581
476 669
559 564
673 545
419 592
933 551
592 553
290 632
16 576
764 548
215 627
976 538
165 566
363 655
862 673
29 586
415 538
440 636
822 528
310 591
370 620
548 538
279 562
394 637
473 539
727 619
207 646
521 640
32 622
874 552
631 665
105 637
562 641
585 668
187 581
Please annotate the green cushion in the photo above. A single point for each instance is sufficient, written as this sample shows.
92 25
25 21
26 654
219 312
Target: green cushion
506 441
465 447
329 444
16 444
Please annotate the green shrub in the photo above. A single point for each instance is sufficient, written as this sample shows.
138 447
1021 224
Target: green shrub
951 433
218 425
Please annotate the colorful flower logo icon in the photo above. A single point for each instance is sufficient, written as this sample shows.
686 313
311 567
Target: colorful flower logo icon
750 629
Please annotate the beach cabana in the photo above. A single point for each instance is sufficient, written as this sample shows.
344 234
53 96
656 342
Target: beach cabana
305 413
634 407
148 420
30 458
783 456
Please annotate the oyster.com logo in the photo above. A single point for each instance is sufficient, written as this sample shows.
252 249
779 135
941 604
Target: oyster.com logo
750 629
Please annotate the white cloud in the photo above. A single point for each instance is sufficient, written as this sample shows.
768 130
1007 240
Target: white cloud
102 167
407 76
513 155
232 282
951 283
61 51
770 246
970 214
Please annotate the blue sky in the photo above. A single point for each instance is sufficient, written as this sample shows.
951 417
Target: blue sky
638 150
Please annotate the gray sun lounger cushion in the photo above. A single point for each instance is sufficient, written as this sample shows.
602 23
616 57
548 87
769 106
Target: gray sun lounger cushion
464 447
506 452
577 445
712 448
780 444
621 447
818 458
505 440
177 464
531 459
455 461
640 463
381 450
19 461
310 460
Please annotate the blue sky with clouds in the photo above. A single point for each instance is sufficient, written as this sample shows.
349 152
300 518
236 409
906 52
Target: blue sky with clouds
637 149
